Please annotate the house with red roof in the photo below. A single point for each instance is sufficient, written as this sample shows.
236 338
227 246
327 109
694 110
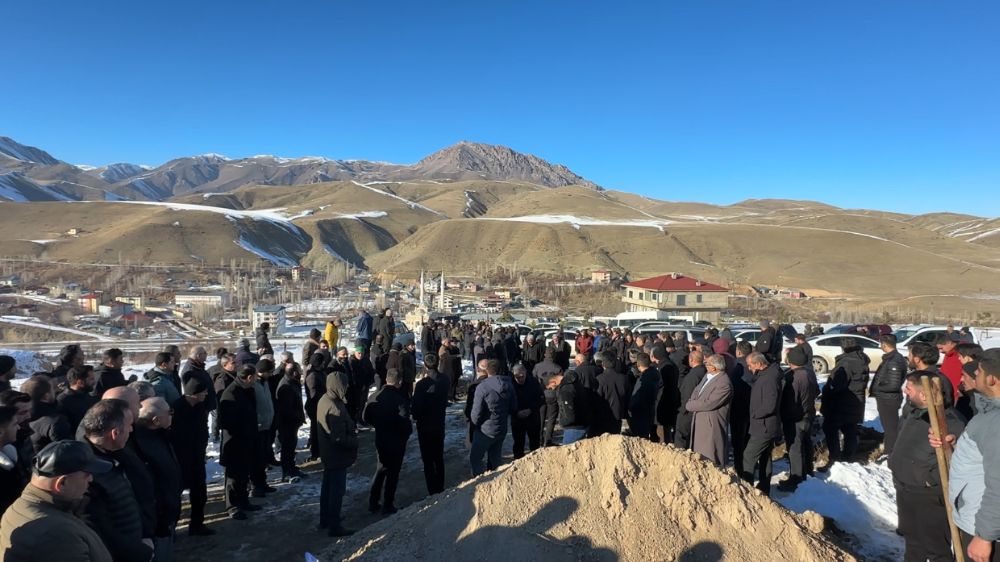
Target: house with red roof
676 295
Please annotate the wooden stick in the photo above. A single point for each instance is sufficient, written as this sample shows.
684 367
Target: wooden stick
935 411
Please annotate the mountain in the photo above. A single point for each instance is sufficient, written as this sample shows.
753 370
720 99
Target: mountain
214 173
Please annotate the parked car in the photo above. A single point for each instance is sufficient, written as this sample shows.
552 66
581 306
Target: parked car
827 347
907 335
404 336
753 334
696 335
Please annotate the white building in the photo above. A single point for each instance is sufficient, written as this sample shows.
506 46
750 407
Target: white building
207 299
273 314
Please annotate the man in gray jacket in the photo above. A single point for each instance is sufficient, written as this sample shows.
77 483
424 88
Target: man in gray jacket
974 480
709 407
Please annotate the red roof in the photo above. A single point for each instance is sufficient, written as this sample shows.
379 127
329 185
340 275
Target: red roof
669 283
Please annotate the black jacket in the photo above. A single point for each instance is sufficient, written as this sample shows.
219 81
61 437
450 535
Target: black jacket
288 409
679 357
669 400
450 364
642 403
613 390
47 425
238 422
798 399
362 372
574 402
106 377
888 379
220 380
765 402
688 384
844 392
142 483
154 448
189 432
561 353
430 401
198 371
530 395
73 404
388 411
113 512
338 434
408 368
533 354
769 344
914 462
264 342
739 407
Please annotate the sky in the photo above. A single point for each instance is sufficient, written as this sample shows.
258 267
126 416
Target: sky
891 105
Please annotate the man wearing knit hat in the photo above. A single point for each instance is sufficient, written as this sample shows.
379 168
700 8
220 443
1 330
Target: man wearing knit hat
798 409
189 437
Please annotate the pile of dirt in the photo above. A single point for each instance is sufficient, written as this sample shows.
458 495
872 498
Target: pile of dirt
607 498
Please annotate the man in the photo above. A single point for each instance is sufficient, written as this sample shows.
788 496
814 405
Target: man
315 381
688 383
43 525
263 341
800 341
427 343
526 421
765 426
385 326
12 478
195 367
238 421
548 373
331 334
160 376
450 363
470 396
739 408
512 348
46 423
678 353
139 478
560 350
338 447
23 454
223 374
364 332
798 409
585 343
613 392
70 357
8 368
430 402
951 365
768 342
289 414
574 407
362 377
642 403
709 406
74 402
174 374
923 519
265 420
887 388
532 354
669 399
408 367
109 373
152 443
189 438
492 405
388 411
112 508
843 405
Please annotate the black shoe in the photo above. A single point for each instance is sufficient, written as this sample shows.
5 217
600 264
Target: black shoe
374 507
258 493
789 484
200 531
389 510
339 532
297 472
252 507
237 514
825 468
274 462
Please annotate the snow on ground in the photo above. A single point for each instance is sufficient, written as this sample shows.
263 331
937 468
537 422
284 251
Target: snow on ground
410 204
36 298
32 323
577 222
28 362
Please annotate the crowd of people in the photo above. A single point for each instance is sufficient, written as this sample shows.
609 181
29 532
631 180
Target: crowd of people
132 446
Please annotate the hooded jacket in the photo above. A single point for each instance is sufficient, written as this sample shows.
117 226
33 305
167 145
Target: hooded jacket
107 377
338 434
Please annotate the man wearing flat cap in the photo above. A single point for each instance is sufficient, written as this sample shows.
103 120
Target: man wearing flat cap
47 508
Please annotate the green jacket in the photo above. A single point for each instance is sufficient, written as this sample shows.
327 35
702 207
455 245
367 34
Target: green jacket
40 527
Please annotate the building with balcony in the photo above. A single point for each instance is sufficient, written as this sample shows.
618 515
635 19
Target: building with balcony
676 295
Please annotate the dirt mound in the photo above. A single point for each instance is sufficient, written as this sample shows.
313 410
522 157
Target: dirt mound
608 498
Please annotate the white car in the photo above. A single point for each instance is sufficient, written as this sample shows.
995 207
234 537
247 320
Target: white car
907 335
826 348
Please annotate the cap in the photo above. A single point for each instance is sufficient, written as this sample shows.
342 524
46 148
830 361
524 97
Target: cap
359 348
60 458
6 363
971 367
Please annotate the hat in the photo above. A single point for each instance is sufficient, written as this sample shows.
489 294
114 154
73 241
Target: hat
359 348
194 385
797 356
60 458
971 367
397 346
955 336
6 363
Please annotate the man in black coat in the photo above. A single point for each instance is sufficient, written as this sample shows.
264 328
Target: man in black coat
887 388
526 420
798 409
430 402
109 373
315 382
244 356
195 367
765 424
688 383
533 353
642 404
512 347
152 444
112 507
388 411
470 395
613 392
561 350
362 378
547 372
238 421
739 406
78 397
408 367
678 352
669 400
189 437
769 342
427 343
289 416
843 404
450 366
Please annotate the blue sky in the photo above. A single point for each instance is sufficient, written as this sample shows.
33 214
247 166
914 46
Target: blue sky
875 104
